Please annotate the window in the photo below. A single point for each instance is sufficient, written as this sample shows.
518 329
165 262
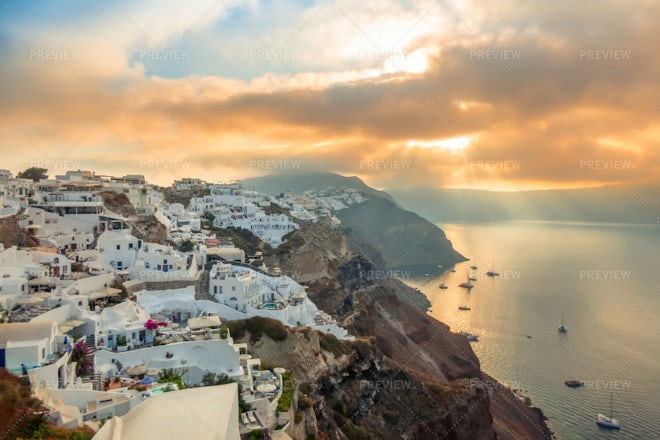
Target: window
118 247
43 352
130 245
233 288
215 289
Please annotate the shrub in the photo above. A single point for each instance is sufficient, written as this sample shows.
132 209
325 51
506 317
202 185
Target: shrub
329 342
257 327
305 402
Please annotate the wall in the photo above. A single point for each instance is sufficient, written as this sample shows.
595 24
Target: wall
213 355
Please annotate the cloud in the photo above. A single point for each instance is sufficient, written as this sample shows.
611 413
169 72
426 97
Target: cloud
547 96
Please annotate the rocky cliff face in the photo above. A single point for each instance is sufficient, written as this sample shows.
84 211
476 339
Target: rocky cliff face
407 376
147 228
11 234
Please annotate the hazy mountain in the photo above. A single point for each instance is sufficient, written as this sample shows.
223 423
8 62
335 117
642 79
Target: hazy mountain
617 203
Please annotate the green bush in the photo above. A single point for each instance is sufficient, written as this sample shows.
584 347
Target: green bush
289 386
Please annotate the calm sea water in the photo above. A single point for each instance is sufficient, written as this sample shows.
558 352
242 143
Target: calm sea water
606 277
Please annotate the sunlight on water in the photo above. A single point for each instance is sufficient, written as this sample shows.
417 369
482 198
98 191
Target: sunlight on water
604 277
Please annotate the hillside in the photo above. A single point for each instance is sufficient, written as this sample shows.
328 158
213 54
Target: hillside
405 240
406 376
377 229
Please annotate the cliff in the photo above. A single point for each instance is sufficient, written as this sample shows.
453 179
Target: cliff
378 229
406 376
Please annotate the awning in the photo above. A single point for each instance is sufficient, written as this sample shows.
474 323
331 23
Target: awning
104 293
73 323
42 281
64 328
30 300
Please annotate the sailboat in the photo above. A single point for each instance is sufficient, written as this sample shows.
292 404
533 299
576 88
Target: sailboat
465 307
467 285
608 422
562 327
471 337
492 273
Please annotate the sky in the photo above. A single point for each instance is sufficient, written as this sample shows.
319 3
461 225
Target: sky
504 94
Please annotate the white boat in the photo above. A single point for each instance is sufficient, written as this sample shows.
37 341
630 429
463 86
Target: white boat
492 273
467 285
471 337
443 286
562 327
608 422
465 307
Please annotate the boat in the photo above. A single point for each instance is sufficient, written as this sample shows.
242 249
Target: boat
492 273
472 278
452 270
467 285
608 422
562 327
463 307
474 267
471 337
573 383
443 286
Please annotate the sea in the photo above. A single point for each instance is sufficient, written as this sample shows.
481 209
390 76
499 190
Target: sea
605 280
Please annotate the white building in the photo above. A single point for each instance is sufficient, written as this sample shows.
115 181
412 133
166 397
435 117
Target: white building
118 249
243 292
35 347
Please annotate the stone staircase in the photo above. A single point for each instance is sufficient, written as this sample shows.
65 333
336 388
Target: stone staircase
89 375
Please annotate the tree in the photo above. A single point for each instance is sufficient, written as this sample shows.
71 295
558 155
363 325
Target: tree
34 173
208 215
186 246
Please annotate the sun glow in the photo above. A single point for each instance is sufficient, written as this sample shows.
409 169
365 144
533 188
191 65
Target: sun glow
452 144
415 62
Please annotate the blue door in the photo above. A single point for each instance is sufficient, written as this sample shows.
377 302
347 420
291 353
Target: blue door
2 358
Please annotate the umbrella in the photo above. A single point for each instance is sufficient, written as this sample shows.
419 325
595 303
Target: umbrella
137 370
266 388
148 380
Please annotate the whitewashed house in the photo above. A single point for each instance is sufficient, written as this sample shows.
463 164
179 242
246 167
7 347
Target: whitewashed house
243 292
28 346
